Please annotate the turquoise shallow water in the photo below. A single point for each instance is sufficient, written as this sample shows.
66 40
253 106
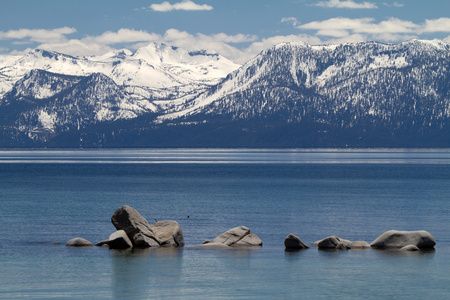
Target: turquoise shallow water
53 196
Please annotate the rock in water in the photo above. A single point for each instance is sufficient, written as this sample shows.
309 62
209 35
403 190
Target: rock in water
397 239
119 240
169 233
250 240
142 241
79 242
293 242
137 228
333 242
410 248
359 245
238 237
142 234
231 236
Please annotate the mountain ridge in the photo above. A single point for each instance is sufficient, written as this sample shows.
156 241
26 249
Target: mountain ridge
290 95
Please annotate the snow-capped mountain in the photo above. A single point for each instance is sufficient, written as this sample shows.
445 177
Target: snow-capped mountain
364 94
157 66
320 82
290 95
43 103
64 92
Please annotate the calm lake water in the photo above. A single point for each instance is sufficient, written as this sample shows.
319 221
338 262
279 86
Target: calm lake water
52 196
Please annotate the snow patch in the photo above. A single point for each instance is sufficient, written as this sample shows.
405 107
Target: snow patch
47 120
384 61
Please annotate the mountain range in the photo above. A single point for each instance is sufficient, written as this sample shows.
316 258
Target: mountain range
290 95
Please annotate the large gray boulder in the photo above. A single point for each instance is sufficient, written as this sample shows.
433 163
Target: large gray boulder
78 242
293 242
333 243
169 233
137 228
238 237
398 239
144 235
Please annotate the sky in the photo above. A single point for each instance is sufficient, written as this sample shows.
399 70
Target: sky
237 29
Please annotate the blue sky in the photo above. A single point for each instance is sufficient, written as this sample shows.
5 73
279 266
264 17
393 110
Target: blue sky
237 29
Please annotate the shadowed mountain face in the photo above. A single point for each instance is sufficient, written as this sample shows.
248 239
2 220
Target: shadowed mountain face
291 95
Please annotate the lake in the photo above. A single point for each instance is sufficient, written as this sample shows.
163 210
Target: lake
50 196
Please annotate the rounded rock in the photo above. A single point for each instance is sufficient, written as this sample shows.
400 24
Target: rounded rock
398 239
79 242
293 242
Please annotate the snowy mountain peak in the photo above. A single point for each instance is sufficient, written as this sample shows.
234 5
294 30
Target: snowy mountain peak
119 54
156 66
160 54
40 57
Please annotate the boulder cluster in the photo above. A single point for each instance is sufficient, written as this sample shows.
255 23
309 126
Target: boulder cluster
133 230
392 239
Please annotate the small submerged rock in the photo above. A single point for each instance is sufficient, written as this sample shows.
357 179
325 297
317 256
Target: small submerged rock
238 237
79 242
410 248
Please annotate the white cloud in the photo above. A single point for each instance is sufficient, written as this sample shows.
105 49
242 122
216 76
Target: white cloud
77 48
234 39
392 25
183 5
437 25
133 39
395 4
291 20
337 27
239 47
38 35
346 4
98 45
392 29
217 42
123 35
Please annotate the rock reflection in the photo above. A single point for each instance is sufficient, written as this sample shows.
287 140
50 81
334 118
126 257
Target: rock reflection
140 273
293 255
395 253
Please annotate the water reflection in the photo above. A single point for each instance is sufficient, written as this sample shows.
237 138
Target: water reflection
293 255
396 253
138 273
233 252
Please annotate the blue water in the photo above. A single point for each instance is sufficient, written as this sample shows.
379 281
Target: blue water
53 196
